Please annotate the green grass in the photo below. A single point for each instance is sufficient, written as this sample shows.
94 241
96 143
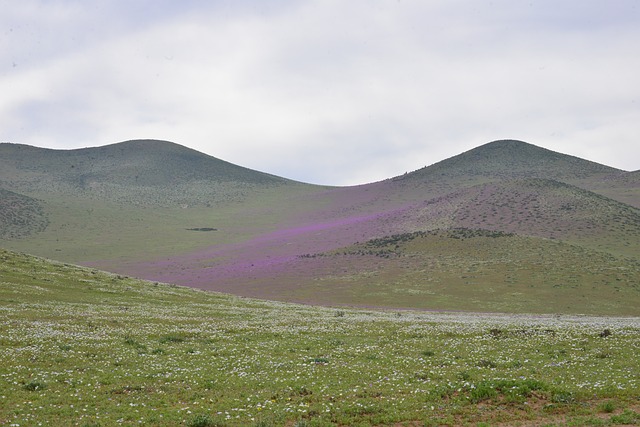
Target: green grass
471 270
85 230
82 347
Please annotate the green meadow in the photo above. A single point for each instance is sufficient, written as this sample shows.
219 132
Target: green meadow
463 270
80 347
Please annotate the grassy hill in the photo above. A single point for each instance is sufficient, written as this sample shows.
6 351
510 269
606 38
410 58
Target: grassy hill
141 172
516 160
138 199
509 159
84 347
551 209
156 210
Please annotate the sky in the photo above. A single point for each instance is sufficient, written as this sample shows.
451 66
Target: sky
330 92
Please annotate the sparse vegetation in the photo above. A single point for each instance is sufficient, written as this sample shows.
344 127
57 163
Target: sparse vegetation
485 271
72 355
20 216
607 407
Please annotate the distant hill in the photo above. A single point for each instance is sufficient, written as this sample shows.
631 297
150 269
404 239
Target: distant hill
160 211
501 161
509 159
146 172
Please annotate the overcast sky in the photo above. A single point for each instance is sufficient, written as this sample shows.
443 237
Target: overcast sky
330 92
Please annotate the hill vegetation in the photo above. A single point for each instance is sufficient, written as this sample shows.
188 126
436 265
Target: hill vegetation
624 187
511 159
569 229
456 269
20 216
550 209
142 172
84 347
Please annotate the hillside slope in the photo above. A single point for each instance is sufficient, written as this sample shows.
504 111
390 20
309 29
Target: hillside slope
456 269
624 187
156 210
544 208
509 159
494 162
146 172
20 216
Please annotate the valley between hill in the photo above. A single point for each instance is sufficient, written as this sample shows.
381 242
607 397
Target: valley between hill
537 231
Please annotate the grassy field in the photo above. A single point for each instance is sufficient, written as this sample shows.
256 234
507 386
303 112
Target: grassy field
459 269
82 230
87 348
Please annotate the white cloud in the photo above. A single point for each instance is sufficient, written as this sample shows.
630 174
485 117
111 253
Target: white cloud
325 91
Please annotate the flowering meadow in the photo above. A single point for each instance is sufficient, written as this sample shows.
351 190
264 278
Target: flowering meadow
79 347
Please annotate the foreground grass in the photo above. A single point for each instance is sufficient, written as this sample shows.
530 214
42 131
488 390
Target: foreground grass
81 347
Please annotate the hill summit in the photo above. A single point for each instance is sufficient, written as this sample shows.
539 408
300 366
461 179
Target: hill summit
508 158
149 172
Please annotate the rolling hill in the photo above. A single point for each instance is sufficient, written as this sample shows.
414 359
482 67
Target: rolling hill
160 211
144 172
509 159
